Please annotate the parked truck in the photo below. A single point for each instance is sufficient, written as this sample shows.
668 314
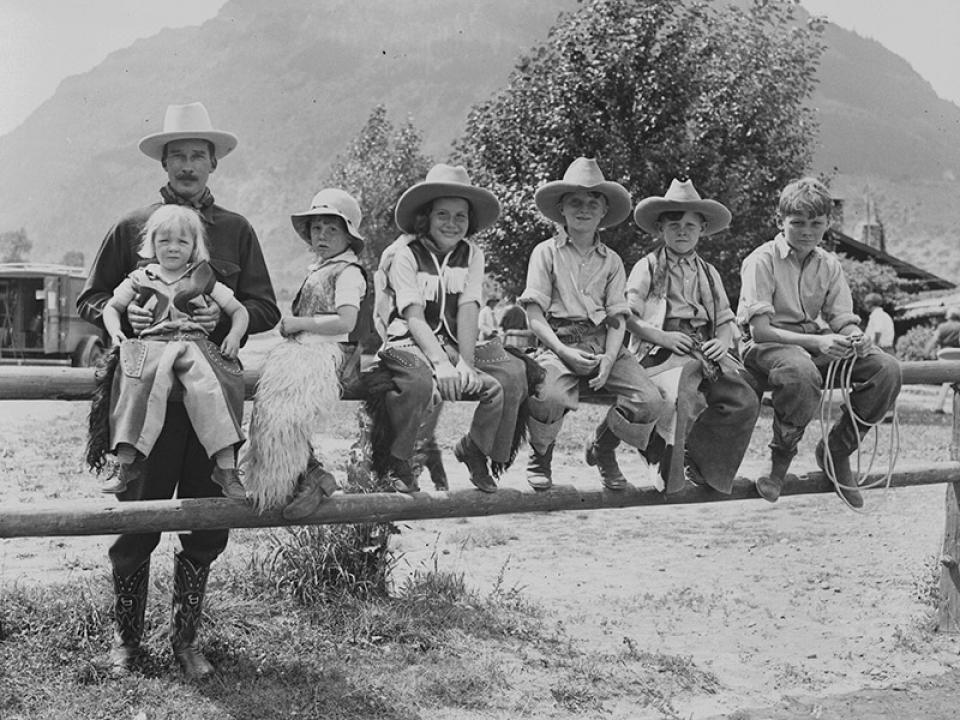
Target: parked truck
38 316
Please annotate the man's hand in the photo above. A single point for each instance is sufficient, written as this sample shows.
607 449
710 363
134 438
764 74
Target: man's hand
835 347
677 342
139 318
581 362
604 366
713 349
207 317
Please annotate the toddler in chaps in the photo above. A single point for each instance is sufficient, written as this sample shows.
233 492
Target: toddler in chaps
177 279
682 330
428 291
576 306
300 377
790 286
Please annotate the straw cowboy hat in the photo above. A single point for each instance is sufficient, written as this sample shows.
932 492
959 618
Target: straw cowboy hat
681 196
187 122
584 174
447 181
331 201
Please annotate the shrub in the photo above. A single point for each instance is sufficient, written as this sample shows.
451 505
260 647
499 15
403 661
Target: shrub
912 345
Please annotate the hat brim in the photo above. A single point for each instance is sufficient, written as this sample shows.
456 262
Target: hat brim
716 215
223 142
483 203
548 198
301 223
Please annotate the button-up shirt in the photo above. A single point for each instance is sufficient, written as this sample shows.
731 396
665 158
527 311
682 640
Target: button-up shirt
683 289
794 292
574 285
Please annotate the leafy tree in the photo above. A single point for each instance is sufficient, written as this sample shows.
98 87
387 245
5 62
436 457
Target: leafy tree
377 167
73 258
868 276
655 89
14 246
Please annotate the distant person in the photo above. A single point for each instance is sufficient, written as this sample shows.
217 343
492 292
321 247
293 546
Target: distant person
300 378
946 344
682 330
787 284
188 148
512 317
576 306
879 324
487 320
174 348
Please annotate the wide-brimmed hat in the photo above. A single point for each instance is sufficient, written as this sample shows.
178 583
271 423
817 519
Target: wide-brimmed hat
187 122
680 197
336 202
447 181
584 175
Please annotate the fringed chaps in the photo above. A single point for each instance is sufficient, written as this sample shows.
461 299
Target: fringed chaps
298 385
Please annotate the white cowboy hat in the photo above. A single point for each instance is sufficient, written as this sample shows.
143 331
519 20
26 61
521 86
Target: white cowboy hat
447 181
584 175
681 196
187 122
336 202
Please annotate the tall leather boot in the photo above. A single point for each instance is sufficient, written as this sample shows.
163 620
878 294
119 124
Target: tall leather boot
602 452
189 585
770 481
841 442
539 473
130 603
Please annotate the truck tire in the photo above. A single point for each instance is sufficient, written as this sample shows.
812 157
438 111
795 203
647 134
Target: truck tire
87 352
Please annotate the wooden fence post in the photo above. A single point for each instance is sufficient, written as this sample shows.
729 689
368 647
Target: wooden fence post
948 617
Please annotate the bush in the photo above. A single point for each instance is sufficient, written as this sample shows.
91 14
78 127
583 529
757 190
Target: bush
912 345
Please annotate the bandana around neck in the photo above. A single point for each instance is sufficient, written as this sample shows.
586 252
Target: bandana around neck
171 198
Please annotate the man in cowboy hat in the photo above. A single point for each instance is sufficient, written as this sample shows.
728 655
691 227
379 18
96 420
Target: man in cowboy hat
576 305
682 329
188 149
790 286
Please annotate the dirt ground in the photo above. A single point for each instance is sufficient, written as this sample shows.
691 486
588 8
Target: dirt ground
802 609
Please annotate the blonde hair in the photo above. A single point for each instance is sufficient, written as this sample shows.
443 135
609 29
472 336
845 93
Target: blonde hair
179 218
806 196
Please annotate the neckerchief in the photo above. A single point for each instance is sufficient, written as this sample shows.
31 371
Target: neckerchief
201 204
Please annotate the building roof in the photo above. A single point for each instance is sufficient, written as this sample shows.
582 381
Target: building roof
841 243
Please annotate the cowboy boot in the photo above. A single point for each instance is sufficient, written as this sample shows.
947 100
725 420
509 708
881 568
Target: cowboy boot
314 485
602 452
130 603
189 585
433 461
539 474
841 441
468 453
770 481
401 477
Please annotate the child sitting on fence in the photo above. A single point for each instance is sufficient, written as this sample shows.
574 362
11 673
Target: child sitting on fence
303 376
682 329
174 348
576 306
428 290
789 286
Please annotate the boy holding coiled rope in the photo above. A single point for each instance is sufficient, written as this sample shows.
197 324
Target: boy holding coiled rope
790 286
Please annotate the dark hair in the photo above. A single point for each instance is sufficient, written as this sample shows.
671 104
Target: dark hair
421 218
210 146
676 216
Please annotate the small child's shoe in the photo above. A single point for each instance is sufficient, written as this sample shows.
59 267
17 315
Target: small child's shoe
126 474
229 481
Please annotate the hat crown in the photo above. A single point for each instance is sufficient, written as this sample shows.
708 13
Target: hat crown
682 192
184 118
338 203
585 172
442 173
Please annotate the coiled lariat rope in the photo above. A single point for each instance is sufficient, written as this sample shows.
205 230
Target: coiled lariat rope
842 370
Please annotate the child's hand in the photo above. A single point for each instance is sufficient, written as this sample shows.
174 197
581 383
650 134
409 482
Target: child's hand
469 378
118 338
230 347
604 367
835 347
289 326
713 349
580 361
448 380
677 342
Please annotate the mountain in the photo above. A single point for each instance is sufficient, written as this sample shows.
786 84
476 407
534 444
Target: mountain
297 79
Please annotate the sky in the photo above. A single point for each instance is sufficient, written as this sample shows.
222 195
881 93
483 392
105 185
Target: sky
44 41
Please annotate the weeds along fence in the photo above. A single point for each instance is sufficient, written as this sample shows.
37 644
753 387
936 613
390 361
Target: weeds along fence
108 517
